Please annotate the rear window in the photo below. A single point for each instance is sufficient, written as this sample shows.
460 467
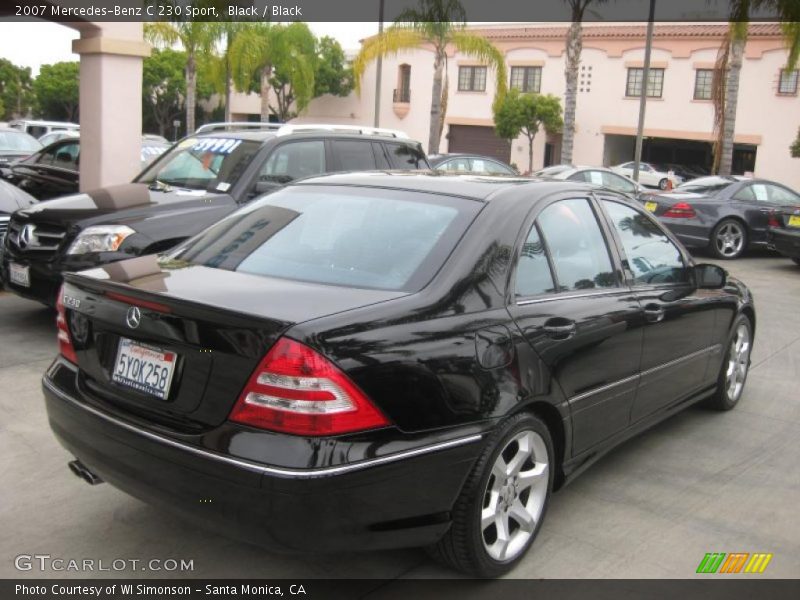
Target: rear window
346 236
405 156
18 141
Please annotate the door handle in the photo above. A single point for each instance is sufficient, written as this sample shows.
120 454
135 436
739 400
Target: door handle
560 329
653 313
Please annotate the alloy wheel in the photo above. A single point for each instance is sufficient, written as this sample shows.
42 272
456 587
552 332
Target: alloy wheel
729 239
515 496
738 362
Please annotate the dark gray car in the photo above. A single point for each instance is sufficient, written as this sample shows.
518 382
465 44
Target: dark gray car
727 219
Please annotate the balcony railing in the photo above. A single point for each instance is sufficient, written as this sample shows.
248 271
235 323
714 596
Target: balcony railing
402 95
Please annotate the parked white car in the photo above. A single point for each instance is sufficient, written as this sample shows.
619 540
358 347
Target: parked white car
648 175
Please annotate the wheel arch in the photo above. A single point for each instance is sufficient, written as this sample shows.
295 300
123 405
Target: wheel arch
552 419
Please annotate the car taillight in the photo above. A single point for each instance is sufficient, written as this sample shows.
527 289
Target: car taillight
773 220
297 390
65 346
680 210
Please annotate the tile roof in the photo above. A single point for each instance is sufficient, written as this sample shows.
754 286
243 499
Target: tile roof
593 31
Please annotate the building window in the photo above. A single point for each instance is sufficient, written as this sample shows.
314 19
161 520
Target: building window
526 79
471 79
403 91
655 83
788 82
703 82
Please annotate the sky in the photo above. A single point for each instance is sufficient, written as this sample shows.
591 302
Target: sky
36 44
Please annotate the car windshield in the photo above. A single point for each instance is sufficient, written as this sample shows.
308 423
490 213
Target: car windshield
345 236
18 141
202 163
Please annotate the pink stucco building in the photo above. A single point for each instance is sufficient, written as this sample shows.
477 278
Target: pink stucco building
679 120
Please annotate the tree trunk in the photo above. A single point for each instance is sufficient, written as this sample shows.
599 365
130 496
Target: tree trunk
191 92
228 87
435 132
530 154
265 93
573 59
731 101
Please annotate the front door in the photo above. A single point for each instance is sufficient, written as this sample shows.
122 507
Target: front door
679 330
583 323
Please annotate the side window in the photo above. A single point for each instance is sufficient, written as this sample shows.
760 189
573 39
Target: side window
380 156
353 155
495 168
745 194
595 177
533 271
460 165
652 257
294 160
615 182
405 156
67 157
577 246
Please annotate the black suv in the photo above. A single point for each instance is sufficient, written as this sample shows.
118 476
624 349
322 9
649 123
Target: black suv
192 186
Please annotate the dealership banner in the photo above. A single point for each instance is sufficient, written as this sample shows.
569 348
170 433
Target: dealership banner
367 10
377 589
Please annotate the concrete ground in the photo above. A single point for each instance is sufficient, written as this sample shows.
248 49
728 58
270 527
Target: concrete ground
700 482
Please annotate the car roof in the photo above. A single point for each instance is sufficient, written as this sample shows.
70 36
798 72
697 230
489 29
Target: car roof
265 136
472 186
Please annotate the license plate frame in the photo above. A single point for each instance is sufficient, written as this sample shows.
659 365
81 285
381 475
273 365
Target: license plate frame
141 364
651 206
794 221
19 274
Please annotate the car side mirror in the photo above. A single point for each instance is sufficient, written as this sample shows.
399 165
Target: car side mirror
710 277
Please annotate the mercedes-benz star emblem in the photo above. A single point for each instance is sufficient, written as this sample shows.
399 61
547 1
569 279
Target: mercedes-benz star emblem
25 235
134 317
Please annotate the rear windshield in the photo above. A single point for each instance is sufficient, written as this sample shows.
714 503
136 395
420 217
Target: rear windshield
18 141
337 235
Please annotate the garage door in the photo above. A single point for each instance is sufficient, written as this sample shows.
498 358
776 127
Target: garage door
478 140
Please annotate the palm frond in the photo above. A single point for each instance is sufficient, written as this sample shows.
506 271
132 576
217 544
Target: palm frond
161 33
480 48
391 41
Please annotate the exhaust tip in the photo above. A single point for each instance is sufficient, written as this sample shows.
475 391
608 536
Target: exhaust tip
82 471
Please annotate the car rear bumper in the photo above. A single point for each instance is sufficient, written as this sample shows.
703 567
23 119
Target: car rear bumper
400 499
785 242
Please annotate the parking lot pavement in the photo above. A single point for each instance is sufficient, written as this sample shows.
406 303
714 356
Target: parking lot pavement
699 482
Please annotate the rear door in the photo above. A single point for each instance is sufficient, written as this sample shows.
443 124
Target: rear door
584 323
679 319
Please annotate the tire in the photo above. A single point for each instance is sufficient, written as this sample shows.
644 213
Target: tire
662 185
735 366
474 547
729 239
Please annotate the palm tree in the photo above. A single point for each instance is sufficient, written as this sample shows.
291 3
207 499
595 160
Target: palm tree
197 38
436 23
252 51
573 60
725 91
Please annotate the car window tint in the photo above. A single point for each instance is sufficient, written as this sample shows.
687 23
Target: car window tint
380 156
746 194
295 160
352 237
354 155
460 165
66 156
781 195
405 156
533 271
577 247
652 257
595 177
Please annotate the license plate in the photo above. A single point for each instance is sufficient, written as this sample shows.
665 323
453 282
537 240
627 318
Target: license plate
144 368
651 206
19 274
794 221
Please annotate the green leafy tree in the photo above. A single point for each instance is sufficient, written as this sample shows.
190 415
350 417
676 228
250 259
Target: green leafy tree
16 90
163 89
252 57
795 147
293 72
196 38
436 24
57 91
333 75
524 114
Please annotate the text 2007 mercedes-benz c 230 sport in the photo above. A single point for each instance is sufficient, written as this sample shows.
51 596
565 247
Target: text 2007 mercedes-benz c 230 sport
364 361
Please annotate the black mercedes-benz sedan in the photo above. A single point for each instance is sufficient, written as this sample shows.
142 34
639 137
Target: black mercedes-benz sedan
727 215
366 361
784 232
